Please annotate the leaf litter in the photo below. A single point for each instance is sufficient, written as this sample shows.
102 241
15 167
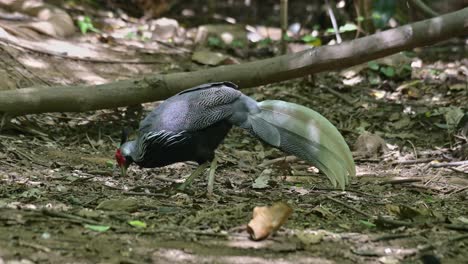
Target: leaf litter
61 199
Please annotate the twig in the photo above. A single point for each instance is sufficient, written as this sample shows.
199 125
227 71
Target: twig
459 171
459 227
82 179
392 222
341 96
348 206
399 181
70 217
301 99
409 162
459 190
449 164
390 237
281 159
424 8
90 142
165 179
33 245
172 230
414 149
146 194
333 20
284 24
431 179
347 190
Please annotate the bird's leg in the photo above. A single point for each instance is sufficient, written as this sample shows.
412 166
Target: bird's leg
211 176
192 176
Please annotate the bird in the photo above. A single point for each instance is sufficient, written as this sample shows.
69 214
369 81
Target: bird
190 126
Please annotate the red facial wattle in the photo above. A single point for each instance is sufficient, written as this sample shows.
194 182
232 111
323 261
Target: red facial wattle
119 158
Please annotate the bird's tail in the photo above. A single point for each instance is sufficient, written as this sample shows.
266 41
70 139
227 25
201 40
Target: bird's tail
301 131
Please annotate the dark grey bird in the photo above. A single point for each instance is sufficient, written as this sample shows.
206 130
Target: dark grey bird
190 125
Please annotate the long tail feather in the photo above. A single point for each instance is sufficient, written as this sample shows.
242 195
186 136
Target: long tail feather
306 134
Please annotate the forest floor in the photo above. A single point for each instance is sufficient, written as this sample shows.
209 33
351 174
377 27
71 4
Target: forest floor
62 199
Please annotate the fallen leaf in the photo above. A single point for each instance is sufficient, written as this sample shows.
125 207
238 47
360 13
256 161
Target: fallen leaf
262 181
323 212
307 238
97 228
126 205
369 145
208 57
137 224
367 223
266 220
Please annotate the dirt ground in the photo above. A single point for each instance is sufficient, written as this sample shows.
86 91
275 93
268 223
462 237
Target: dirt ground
62 199
58 185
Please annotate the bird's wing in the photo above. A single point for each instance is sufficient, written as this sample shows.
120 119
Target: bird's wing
158 141
193 109
208 85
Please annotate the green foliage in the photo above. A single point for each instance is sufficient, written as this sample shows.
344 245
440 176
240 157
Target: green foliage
215 42
287 38
85 24
387 71
373 65
237 43
265 42
345 28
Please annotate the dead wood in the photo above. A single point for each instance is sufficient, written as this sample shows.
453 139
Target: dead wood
161 86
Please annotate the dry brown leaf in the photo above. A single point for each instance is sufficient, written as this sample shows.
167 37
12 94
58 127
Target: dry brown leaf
369 145
267 219
53 21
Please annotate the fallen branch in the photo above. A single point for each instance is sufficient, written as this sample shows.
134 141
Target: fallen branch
400 181
449 164
157 87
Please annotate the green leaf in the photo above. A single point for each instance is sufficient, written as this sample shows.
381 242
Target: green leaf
367 223
287 38
348 27
110 163
308 38
373 65
137 224
312 41
85 24
237 43
265 42
214 42
388 71
97 228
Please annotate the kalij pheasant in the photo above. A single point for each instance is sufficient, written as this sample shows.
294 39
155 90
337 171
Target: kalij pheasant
190 125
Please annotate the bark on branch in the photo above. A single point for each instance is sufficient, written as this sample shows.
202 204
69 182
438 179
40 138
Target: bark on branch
158 87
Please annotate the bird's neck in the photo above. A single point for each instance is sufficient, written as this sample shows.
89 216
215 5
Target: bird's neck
131 148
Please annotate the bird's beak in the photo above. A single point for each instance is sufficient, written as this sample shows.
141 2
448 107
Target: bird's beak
123 170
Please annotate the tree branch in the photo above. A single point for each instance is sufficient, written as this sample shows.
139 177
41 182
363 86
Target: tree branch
158 87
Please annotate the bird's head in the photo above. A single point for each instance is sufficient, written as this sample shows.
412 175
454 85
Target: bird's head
123 153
